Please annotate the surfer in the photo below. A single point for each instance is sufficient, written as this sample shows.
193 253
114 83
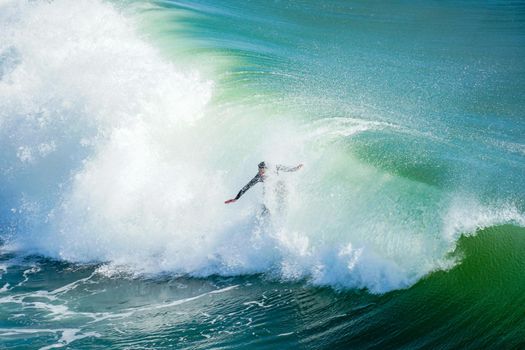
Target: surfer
260 177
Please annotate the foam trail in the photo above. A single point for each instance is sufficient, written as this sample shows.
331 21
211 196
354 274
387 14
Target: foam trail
67 335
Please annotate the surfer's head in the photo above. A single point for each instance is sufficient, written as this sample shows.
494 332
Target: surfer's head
262 168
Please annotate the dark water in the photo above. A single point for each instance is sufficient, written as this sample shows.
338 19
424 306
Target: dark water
472 306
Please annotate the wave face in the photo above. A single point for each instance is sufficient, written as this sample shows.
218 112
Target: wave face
123 130
125 125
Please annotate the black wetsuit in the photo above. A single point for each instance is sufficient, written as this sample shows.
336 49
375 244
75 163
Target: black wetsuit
260 178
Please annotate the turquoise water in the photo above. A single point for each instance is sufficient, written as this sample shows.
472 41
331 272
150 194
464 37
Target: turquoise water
125 125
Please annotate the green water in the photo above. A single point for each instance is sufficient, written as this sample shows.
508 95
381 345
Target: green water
472 306
125 125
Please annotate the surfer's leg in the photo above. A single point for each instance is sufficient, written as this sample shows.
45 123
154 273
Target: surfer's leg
264 210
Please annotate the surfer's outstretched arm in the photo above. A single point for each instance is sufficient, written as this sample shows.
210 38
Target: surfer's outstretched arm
288 168
252 182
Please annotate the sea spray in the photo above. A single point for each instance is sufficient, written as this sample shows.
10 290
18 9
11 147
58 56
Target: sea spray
111 153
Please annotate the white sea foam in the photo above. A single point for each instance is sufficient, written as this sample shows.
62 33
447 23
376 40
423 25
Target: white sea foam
26 273
466 215
67 335
5 287
115 155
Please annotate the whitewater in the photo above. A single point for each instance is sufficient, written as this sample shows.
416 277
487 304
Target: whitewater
124 126
111 153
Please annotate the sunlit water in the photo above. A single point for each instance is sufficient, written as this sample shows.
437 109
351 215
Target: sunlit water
124 126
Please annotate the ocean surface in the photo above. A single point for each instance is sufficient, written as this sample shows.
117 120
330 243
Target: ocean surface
125 125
